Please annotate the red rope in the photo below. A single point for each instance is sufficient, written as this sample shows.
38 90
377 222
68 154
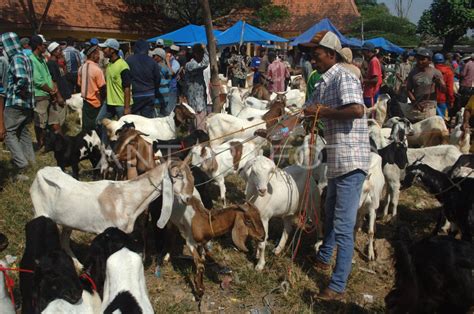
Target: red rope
9 282
86 276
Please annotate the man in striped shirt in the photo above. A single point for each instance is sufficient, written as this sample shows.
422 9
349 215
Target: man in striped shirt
337 99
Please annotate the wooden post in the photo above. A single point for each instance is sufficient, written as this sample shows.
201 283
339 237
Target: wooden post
211 46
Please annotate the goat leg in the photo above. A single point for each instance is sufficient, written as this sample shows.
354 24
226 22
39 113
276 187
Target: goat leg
198 278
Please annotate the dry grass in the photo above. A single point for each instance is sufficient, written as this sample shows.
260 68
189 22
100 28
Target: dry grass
250 290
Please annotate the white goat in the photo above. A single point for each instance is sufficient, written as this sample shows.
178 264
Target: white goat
458 137
441 157
276 193
89 303
294 97
95 206
155 129
224 127
220 161
372 190
428 132
125 279
6 305
380 109
75 103
239 109
256 103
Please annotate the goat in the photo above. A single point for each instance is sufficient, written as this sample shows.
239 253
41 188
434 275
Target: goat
428 132
102 247
75 103
292 97
369 202
259 91
198 225
70 150
240 110
256 103
458 137
125 279
222 160
441 157
455 194
58 289
6 305
433 275
108 203
464 161
42 237
155 129
223 127
379 110
276 193
180 147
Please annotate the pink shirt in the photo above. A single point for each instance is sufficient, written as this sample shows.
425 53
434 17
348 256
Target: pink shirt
374 69
276 73
468 74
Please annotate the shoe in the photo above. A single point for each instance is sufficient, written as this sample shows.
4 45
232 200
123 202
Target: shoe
330 295
318 264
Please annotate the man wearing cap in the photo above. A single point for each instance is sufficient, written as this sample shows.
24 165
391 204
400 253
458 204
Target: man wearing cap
45 91
19 104
72 56
118 78
93 90
346 54
421 86
444 98
145 75
58 76
373 75
161 102
174 67
337 99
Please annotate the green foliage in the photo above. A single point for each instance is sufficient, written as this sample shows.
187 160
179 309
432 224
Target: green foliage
269 14
378 22
448 20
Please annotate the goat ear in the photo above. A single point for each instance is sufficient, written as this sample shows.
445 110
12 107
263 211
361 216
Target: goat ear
142 134
240 233
243 207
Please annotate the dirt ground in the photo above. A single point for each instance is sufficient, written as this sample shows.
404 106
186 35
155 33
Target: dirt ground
283 286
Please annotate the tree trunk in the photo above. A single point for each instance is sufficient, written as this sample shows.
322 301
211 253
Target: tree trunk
211 44
43 17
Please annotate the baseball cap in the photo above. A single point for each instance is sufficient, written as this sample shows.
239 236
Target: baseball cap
160 42
159 52
25 41
423 52
53 46
90 49
368 46
94 41
346 54
174 48
326 39
438 58
110 43
36 40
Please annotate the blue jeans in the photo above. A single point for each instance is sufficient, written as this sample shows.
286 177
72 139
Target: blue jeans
441 110
107 111
18 137
342 202
171 104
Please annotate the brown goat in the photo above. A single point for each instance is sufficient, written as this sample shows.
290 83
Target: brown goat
242 220
259 91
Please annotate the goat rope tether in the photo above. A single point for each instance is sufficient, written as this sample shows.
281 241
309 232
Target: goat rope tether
9 282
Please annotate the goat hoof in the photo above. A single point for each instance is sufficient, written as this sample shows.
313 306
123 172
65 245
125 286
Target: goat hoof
259 267
371 257
277 251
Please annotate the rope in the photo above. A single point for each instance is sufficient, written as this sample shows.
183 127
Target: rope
9 282
456 185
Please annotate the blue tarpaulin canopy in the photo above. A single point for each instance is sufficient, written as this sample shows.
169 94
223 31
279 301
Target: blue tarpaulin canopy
324 24
186 36
386 45
242 32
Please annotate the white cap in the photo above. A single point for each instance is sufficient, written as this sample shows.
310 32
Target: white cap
326 39
52 46
346 54
159 52
174 48
160 42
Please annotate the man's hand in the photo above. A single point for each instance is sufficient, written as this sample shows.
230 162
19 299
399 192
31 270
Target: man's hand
313 110
126 111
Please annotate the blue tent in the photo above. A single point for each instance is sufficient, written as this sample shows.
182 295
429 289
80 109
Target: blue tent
242 32
324 24
186 36
386 45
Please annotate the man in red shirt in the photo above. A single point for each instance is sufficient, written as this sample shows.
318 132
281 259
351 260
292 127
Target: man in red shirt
373 75
276 74
444 98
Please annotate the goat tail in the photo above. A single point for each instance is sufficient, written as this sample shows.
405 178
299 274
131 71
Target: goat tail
125 302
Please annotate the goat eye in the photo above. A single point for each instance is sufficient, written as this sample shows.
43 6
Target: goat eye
248 222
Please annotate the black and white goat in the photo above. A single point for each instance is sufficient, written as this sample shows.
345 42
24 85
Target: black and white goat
180 147
70 150
455 194
433 275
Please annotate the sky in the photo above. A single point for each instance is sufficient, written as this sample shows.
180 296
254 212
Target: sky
417 8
